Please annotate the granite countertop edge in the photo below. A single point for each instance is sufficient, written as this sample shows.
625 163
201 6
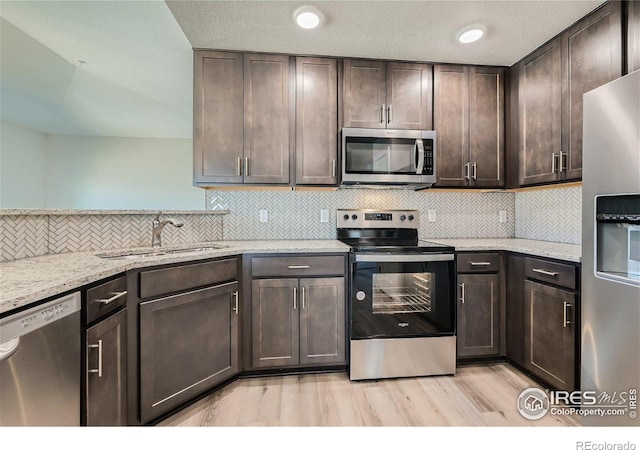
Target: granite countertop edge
30 280
106 212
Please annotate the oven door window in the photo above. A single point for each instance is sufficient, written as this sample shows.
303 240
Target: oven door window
402 299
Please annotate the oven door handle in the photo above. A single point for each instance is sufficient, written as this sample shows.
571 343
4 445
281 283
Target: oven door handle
405 258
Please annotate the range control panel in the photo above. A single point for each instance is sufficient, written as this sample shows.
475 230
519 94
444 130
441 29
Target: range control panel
368 218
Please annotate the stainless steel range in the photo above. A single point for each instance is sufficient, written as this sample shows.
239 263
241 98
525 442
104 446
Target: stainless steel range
402 297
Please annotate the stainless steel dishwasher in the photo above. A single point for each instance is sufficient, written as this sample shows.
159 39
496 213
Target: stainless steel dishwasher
40 365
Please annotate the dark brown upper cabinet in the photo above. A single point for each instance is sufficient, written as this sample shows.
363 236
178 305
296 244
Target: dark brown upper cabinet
469 122
551 83
379 94
241 118
633 36
316 121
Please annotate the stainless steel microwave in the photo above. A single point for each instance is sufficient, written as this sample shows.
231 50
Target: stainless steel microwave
383 156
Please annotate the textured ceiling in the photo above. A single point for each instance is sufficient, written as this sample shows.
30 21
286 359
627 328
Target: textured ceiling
406 30
138 78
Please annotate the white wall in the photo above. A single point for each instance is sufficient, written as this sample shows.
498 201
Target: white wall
120 173
22 167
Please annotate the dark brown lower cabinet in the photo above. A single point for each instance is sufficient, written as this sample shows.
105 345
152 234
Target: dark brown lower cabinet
478 315
106 377
188 344
550 334
297 321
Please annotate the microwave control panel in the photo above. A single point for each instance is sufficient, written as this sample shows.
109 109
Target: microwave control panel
428 157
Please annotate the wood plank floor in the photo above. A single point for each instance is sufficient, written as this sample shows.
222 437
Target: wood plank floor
479 395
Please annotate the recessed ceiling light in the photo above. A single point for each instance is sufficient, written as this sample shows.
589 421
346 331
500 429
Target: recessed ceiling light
307 17
471 33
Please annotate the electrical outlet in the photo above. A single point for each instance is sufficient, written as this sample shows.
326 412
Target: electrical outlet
264 215
324 216
431 215
503 216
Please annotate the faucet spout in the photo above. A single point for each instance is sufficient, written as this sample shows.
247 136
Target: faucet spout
158 225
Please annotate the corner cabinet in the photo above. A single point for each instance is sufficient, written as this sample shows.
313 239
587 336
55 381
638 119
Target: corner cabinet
379 94
469 120
241 118
551 83
297 312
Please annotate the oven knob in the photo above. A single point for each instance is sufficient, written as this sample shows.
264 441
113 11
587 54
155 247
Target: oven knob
411 217
354 217
360 295
403 218
346 217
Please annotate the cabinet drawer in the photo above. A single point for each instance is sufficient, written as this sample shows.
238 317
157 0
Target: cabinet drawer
105 298
478 262
285 266
556 273
175 279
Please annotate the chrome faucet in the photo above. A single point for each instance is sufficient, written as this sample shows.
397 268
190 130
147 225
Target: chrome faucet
157 226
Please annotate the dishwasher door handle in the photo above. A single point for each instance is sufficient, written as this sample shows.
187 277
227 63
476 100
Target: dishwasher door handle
9 348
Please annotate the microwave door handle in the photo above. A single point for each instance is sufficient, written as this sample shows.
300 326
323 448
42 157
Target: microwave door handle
420 156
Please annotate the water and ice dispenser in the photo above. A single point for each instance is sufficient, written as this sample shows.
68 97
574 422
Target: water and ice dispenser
618 237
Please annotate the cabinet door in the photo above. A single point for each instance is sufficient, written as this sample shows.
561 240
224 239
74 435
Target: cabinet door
107 378
550 334
591 57
409 96
322 321
188 344
274 323
515 308
540 109
266 118
316 121
486 126
364 93
218 117
451 122
479 315
633 36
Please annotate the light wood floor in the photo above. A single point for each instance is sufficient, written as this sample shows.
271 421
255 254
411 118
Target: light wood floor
479 395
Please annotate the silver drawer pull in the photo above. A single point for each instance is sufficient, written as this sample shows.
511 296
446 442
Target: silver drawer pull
566 320
106 301
99 347
235 297
481 263
545 272
299 267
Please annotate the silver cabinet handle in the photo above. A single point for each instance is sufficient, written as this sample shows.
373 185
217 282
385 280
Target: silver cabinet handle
303 297
99 347
246 167
565 320
10 347
545 272
475 169
462 292
295 298
106 301
554 157
333 168
235 297
561 157
382 112
299 267
389 114
467 170
481 263
239 168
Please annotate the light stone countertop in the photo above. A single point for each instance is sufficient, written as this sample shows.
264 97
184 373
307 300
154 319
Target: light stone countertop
106 212
556 250
28 280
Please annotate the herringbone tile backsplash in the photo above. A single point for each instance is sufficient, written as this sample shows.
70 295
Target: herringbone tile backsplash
550 215
25 236
296 214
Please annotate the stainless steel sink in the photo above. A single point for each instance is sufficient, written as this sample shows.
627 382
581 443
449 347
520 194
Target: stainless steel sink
150 253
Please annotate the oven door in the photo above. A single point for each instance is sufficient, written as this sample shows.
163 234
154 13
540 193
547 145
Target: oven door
402 295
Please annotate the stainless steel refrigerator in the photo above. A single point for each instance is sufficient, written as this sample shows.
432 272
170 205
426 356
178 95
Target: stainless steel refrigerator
611 245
